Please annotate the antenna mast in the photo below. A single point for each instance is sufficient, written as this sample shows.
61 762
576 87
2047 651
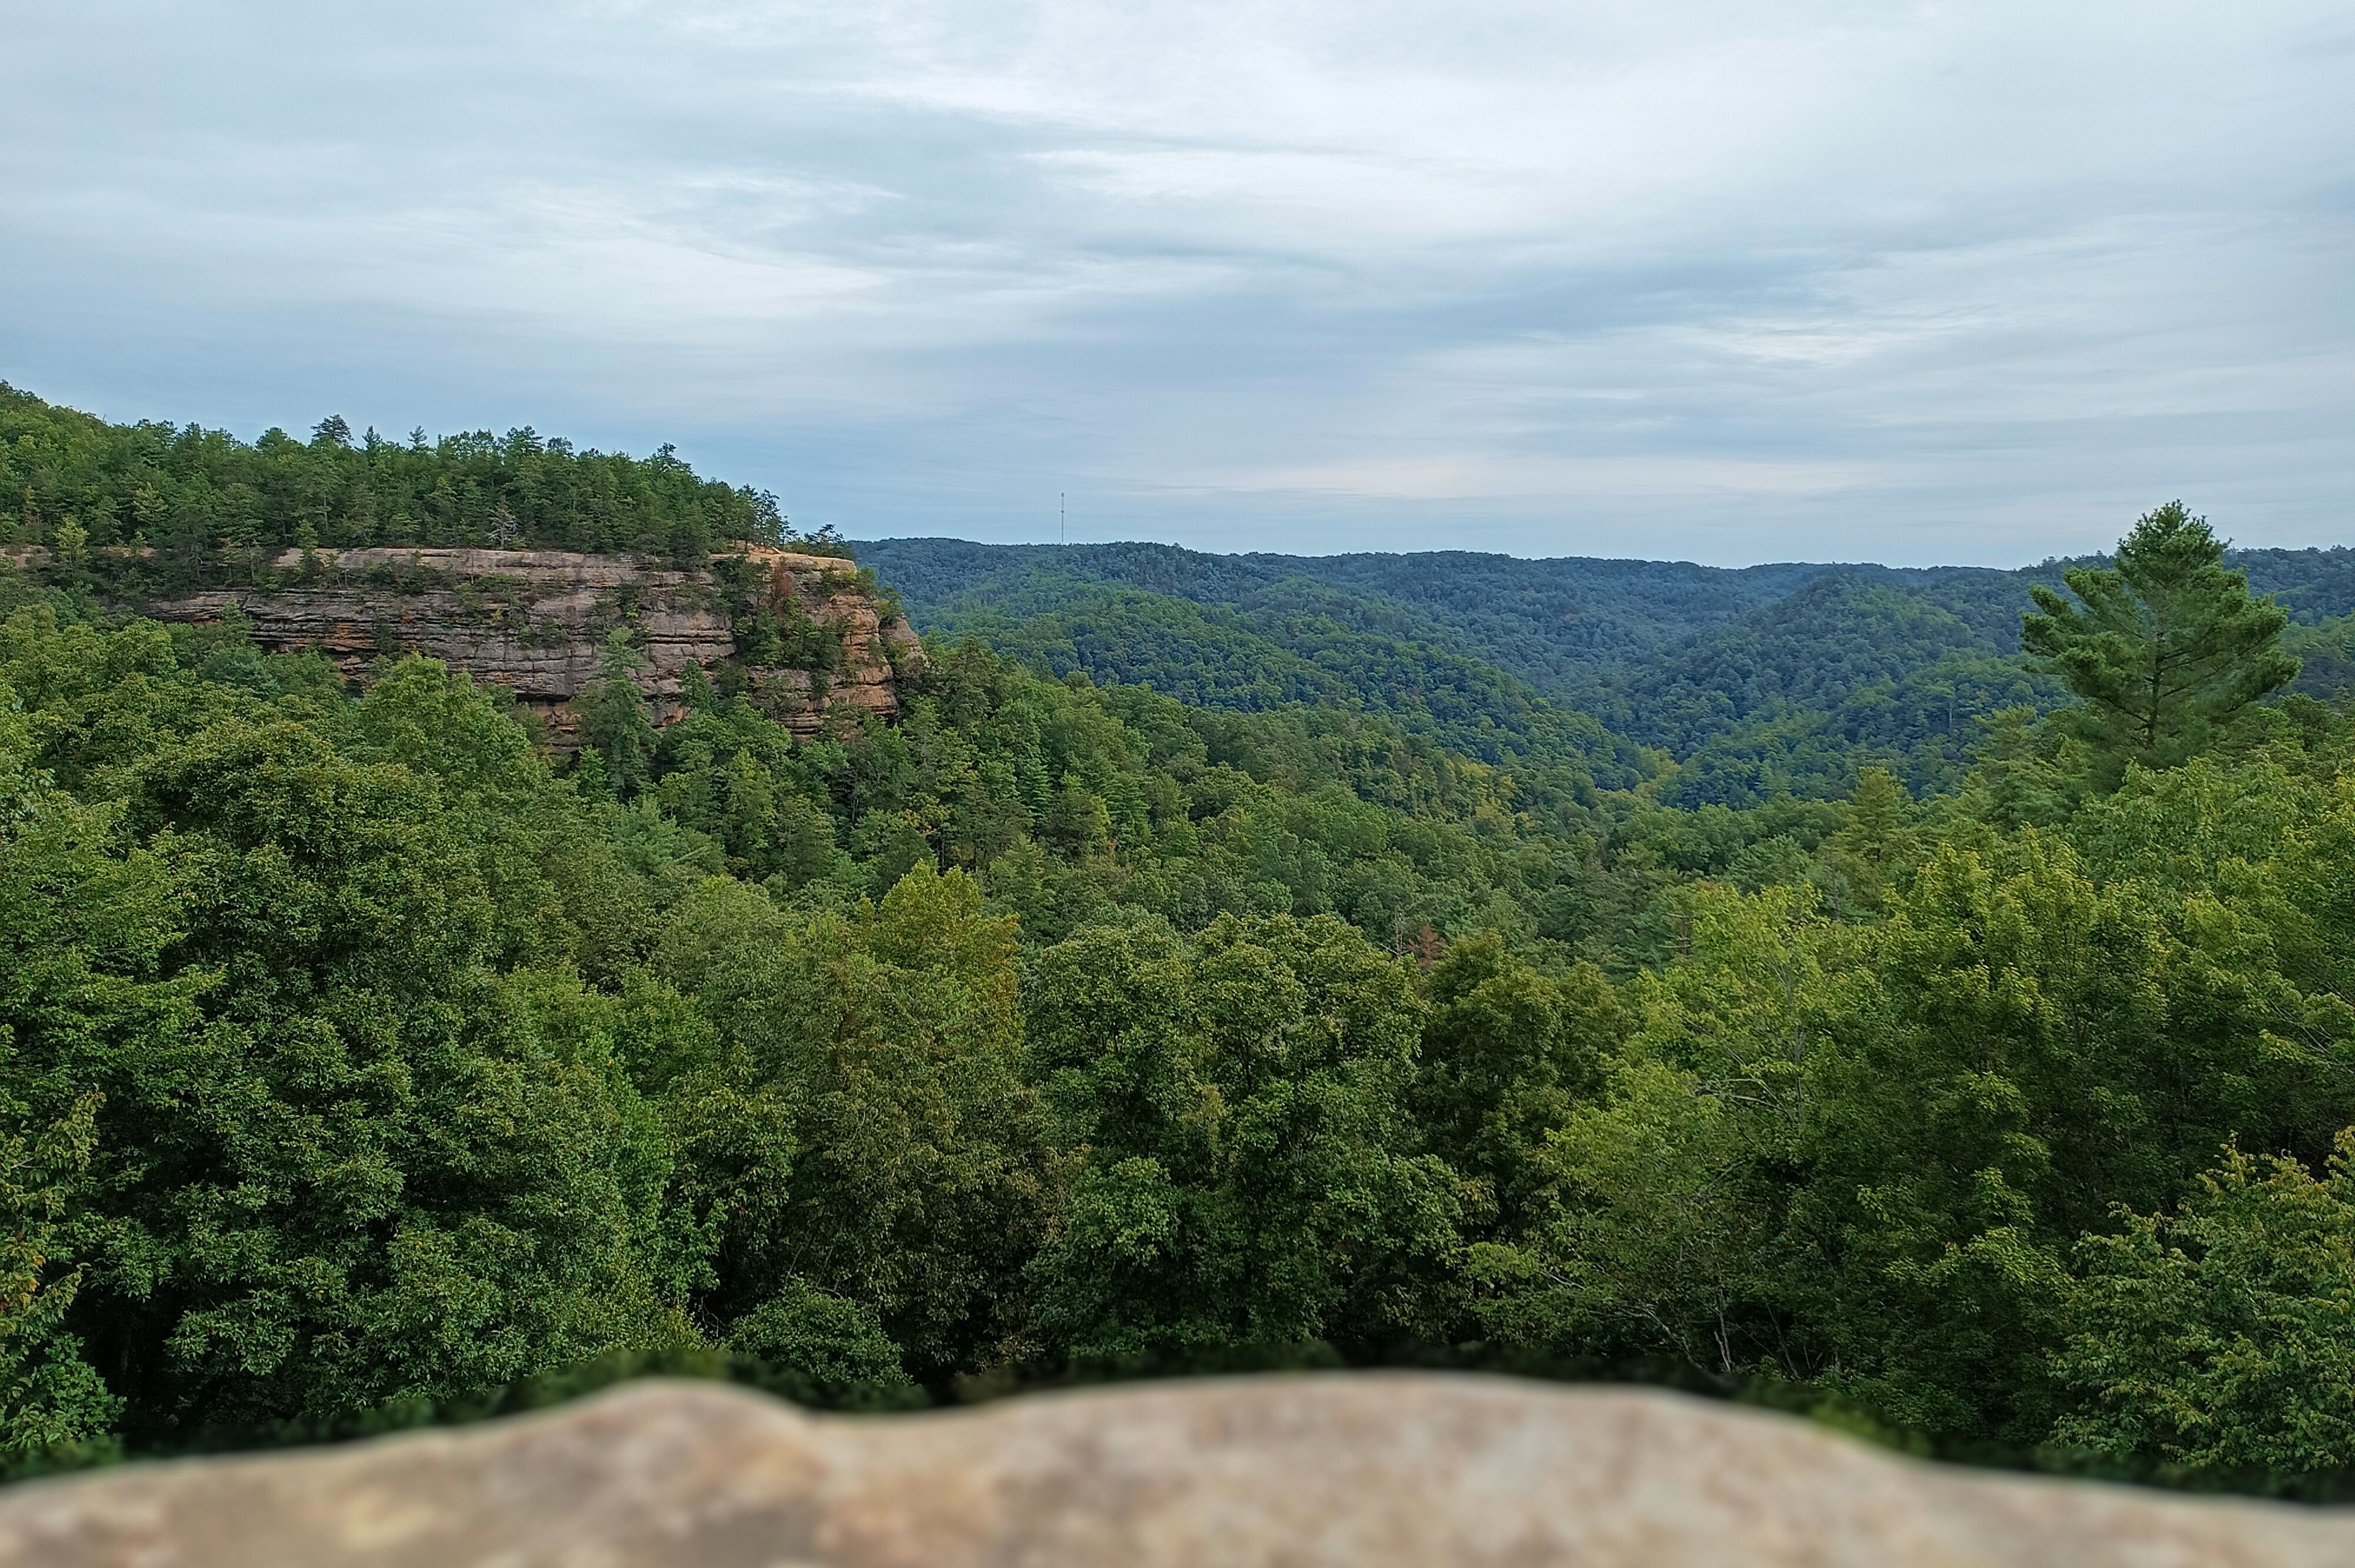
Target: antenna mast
1059 517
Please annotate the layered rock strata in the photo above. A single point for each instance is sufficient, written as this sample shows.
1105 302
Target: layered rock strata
1367 1470
537 622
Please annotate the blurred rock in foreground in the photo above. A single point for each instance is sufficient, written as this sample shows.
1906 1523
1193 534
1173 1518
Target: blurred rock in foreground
1370 1470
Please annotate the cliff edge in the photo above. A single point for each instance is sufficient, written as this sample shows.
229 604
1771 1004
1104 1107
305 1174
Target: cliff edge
800 633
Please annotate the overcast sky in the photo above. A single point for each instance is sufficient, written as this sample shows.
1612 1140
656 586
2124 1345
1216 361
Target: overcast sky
1728 283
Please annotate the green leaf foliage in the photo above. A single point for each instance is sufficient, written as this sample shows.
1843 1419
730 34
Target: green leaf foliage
2215 1336
362 1055
2162 648
1248 1175
201 499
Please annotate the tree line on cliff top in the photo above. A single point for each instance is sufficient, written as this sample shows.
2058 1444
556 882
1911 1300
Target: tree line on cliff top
357 1053
201 499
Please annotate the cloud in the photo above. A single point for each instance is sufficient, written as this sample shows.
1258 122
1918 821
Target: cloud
1914 282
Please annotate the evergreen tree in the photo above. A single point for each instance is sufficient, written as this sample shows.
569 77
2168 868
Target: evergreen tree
614 720
1863 853
2162 650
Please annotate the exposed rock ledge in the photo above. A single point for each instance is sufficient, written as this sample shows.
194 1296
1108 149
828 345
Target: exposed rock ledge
1373 1470
536 620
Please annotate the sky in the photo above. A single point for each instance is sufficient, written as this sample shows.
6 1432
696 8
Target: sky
1725 283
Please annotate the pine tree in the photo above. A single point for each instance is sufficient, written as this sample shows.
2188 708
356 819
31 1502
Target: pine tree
2164 650
614 720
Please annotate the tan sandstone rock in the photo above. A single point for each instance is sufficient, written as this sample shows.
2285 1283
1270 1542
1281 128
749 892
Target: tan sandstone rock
1374 1470
535 622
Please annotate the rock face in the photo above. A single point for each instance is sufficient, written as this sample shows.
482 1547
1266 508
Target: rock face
536 621
1371 1470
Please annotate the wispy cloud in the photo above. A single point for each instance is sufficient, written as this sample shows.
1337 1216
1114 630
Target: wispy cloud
1911 283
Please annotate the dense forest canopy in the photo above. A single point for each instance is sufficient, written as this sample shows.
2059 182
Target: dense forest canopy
76 482
359 1053
1549 622
1756 683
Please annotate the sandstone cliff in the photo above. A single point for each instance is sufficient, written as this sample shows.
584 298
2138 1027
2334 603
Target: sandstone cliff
536 621
1366 1470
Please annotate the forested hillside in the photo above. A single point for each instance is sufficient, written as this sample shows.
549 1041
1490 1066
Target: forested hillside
361 1053
201 499
1537 620
1761 681
1309 652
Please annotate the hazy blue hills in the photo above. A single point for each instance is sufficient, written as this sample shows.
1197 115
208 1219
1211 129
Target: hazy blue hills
1536 619
1756 680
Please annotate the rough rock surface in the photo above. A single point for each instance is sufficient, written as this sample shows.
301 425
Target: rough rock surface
1373 1470
536 622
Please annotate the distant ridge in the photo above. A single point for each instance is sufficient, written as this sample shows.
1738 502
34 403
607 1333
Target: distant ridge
1782 676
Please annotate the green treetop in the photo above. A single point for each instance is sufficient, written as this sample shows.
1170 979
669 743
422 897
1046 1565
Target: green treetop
2162 650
